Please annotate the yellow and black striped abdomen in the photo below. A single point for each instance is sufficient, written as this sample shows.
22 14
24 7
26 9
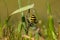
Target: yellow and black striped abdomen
33 19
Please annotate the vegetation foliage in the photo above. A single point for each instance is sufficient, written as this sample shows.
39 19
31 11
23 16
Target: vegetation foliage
8 32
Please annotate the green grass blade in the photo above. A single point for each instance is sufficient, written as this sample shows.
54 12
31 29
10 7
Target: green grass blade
19 27
0 29
20 5
51 27
36 36
23 9
48 7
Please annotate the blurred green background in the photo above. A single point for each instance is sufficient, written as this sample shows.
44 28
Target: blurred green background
40 6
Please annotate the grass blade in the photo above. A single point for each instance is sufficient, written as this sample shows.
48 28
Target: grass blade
48 7
23 9
52 33
50 28
0 28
